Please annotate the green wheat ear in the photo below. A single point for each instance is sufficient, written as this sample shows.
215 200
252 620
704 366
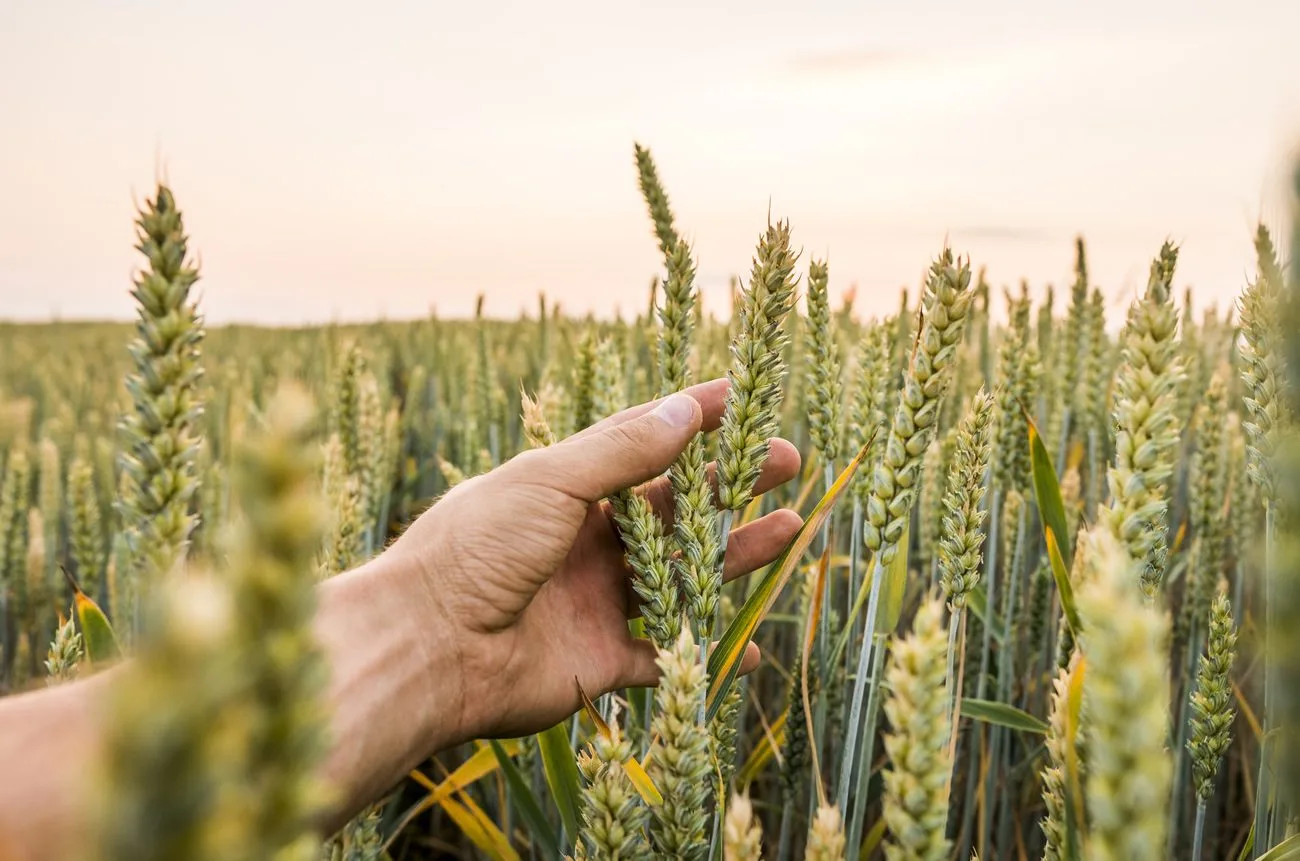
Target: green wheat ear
894 486
1263 366
66 652
915 806
583 404
613 815
758 369
361 839
679 758
826 836
343 547
826 390
677 319
960 548
15 500
869 411
1126 695
796 753
695 530
742 834
272 551
85 532
1212 699
1054 774
1146 427
1209 488
656 199
1018 374
167 786
160 433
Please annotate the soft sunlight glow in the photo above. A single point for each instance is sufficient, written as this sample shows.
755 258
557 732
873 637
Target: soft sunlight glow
346 161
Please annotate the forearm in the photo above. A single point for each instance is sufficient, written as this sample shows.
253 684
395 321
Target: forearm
392 695
394 691
48 747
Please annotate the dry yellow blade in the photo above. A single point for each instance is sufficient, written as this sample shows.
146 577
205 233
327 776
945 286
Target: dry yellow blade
814 615
815 611
645 787
1075 456
1248 713
763 752
1179 537
481 831
590 708
482 763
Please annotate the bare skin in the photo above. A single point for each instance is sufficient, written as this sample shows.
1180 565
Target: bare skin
473 624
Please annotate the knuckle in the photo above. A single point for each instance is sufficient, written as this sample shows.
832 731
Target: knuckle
535 466
633 436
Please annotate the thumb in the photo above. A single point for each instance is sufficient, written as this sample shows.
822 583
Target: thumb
593 466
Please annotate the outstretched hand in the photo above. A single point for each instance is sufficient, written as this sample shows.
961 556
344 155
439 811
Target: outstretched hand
473 624
523 567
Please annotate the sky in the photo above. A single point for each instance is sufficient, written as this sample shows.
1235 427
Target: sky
349 161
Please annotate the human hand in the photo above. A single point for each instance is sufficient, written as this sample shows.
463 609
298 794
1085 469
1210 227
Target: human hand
473 624
523 575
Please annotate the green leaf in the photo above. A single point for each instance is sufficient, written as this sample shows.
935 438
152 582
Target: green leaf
1248 848
96 631
892 593
562 775
894 589
525 803
1047 491
1287 849
872 840
1062 577
1001 714
724 661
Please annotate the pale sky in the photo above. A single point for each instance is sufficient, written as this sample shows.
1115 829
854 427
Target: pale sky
347 160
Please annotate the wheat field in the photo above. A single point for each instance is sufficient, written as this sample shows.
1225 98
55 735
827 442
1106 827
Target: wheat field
1043 604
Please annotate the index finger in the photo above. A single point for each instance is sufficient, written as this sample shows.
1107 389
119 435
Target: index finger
711 396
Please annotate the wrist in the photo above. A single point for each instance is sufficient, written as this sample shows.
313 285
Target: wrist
395 691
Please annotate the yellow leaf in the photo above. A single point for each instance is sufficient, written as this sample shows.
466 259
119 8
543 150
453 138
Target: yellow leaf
764 751
590 708
645 787
482 763
481 831
1248 713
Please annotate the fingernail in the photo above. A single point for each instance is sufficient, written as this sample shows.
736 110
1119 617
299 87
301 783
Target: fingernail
676 411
